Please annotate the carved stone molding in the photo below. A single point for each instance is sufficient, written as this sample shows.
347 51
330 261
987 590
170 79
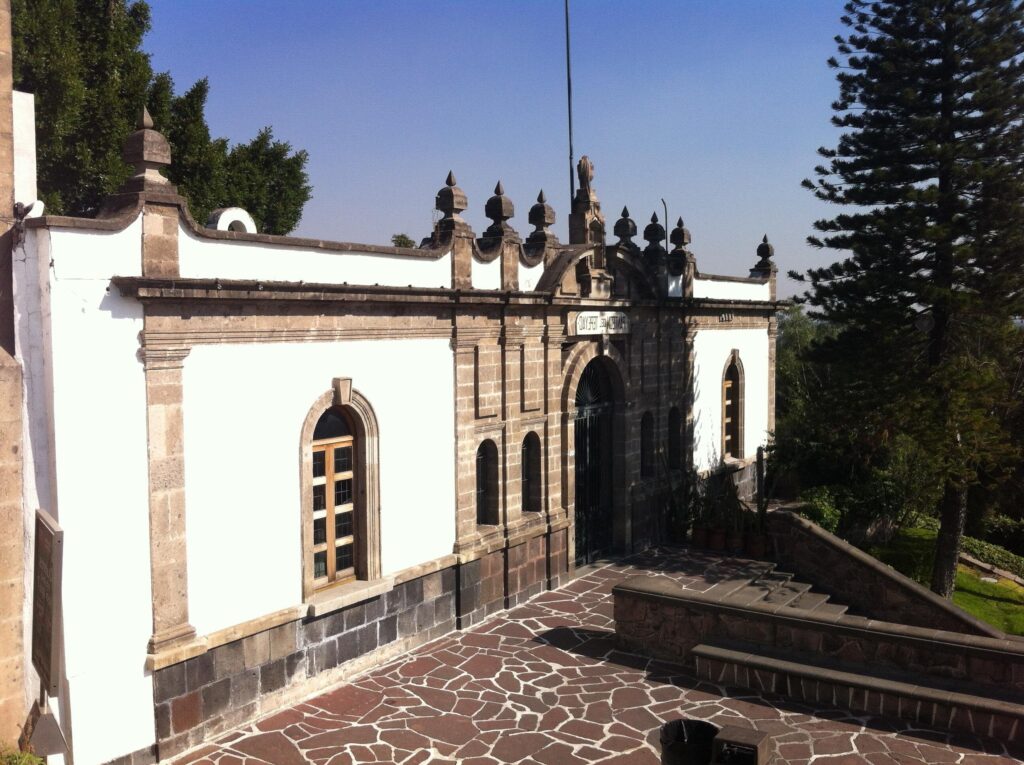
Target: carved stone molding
154 358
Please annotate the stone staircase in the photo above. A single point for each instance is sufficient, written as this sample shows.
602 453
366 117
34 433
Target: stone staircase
757 627
750 582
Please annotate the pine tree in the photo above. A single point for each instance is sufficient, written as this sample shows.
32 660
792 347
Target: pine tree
930 172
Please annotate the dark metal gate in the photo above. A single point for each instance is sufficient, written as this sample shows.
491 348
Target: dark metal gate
593 427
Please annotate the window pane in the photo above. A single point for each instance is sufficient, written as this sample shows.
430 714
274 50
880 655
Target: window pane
319 467
319 497
342 492
342 525
343 557
331 425
319 531
343 459
319 565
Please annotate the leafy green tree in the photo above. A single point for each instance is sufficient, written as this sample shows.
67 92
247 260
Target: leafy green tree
402 240
198 162
83 61
269 181
929 170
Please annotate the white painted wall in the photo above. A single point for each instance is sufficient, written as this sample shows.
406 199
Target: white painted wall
529 276
24 147
486 276
710 288
244 408
210 259
100 486
711 349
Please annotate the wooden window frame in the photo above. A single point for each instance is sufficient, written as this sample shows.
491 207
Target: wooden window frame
732 396
329 447
366 487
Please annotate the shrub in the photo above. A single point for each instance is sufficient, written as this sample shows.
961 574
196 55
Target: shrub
9 756
820 506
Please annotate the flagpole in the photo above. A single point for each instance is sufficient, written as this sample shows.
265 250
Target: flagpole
568 81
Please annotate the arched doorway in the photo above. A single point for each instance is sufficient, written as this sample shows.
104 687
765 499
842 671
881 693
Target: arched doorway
594 450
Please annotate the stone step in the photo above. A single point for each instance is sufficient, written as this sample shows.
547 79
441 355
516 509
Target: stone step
730 579
830 609
808 601
786 594
751 593
860 689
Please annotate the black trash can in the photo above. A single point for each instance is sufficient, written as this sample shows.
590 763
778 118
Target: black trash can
687 742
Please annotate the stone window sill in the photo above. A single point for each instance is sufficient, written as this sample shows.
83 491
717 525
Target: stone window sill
344 595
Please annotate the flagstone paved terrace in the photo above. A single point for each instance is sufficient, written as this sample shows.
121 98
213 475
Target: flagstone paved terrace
543 684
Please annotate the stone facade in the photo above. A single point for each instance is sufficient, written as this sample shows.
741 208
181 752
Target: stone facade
244 340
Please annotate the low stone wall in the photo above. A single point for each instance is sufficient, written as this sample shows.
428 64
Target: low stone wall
658 618
861 581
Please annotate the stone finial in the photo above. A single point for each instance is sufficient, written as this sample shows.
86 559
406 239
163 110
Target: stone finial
451 200
499 208
765 252
542 215
680 237
147 151
586 221
625 229
654 232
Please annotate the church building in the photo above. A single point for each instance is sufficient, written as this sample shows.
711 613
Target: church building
278 461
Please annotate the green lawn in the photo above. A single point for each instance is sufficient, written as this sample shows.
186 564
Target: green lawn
1001 604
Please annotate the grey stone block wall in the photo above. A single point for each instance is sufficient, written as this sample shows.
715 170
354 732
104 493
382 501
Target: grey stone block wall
208 694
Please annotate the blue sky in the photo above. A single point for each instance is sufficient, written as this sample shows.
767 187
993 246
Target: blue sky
718 107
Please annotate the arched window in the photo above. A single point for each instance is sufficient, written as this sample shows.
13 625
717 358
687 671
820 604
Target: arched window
647 445
335 524
675 427
487 484
732 408
530 467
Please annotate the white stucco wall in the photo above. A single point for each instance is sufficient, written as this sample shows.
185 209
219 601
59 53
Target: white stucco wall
244 407
711 350
724 290
100 487
210 259
486 276
24 112
529 276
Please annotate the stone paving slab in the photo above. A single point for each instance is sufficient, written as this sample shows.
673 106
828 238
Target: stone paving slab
544 684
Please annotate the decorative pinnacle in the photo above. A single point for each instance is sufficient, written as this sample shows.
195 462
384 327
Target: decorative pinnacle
765 251
680 236
541 216
499 209
145 121
625 228
450 200
499 189
654 233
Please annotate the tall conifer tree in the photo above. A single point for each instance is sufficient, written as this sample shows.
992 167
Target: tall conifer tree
930 172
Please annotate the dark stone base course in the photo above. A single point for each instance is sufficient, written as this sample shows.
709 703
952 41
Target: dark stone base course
209 694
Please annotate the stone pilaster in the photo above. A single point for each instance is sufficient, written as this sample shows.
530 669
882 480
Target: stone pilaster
13 695
14 698
168 565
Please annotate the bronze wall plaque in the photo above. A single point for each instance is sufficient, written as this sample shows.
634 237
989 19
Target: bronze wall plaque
46 601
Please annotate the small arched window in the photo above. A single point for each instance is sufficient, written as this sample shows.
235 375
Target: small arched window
732 409
487 484
675 427
335 525
647 445
530 467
